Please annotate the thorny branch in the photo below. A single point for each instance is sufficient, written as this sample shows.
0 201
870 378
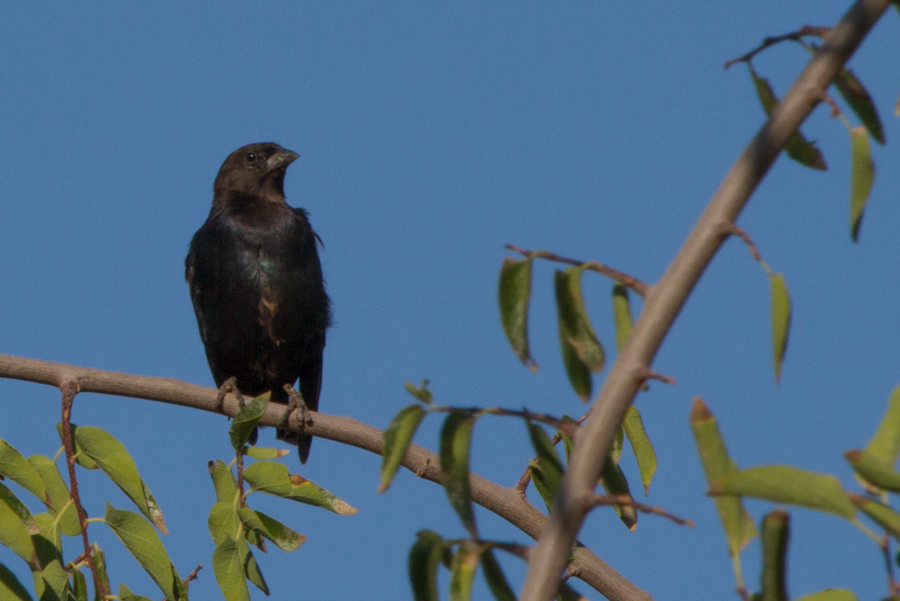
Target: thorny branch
796 36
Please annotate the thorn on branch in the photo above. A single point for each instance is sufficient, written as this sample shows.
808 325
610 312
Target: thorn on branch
732 229
595 500
641 288
193 575
796 36
648 374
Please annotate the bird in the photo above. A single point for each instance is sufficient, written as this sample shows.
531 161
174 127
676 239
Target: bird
256 284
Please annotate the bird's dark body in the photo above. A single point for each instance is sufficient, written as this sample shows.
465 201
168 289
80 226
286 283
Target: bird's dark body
256 283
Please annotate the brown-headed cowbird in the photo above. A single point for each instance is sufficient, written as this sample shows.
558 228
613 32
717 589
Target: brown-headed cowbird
256 283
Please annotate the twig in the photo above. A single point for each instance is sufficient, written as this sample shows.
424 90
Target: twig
568 427
521 484
626 501
648 374
794 37
193 575
69 389
668 296
503 501
730 228
642 288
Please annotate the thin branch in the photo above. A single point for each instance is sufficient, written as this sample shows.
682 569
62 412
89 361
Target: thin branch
567 426
666 299
503 501
632 282
648 374
730 228
69 389
795 36
626 501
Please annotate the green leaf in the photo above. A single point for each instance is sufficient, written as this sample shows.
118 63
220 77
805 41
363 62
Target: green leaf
622 314
830 594
462 572
873 470
514 296
781 320
251 568
223 481
100 565
125 594
222 522
420 392
640 446
48 540
53 580
16 527
10 587
58 494
424 560
547 471
78 586
245 421
615 483
796 146
885 443
80 458
574 323
789 485
283 537
860 102
880 513
496 580
143 543
456 436
736 521
273 478
397 438
862 175
775 534
265 452
15 467
112 457
229 569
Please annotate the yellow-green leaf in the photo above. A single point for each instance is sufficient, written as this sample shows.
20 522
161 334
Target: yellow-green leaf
796 147
10 587
789 485
143 543
125 594
15 467
640 446
273 478
860 102
112 457
424 560
830 594
574 323
265 452
496 580
99 558
736 521
514 295
885 443
621 314
775 535
420 392
58 495
862 175
462 572
228 566
873 470
456 437
16 527
547 470
397 438
781 320
223 481
615 483
283 537
880 513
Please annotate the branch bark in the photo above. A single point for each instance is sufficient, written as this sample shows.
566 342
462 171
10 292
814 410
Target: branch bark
665 300
505 502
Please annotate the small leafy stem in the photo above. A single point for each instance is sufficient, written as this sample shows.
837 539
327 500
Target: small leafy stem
569 427
641 288
796 36
69 389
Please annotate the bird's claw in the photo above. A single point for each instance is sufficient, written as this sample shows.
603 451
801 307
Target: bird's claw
295 401
229 385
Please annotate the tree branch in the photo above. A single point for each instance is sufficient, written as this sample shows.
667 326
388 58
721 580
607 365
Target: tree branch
503 501
665 300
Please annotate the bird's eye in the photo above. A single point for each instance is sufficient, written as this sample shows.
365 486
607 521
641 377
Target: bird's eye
250 156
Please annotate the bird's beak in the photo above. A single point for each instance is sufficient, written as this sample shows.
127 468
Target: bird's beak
281 159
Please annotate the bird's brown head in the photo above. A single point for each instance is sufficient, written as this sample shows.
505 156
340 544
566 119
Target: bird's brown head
255 171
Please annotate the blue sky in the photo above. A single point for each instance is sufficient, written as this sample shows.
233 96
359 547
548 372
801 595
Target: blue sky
431 135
